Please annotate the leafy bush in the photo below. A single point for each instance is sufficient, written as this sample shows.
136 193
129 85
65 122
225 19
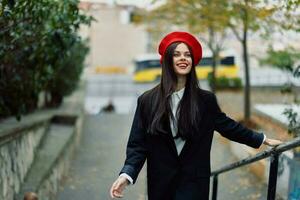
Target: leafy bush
67 76
281 59
286 60
225 83
37 39
292 115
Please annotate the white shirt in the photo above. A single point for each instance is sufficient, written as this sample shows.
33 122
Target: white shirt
175 99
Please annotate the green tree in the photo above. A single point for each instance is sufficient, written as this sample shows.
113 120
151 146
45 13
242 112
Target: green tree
290 15
248 16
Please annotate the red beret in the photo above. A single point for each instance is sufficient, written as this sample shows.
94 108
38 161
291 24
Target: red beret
185 37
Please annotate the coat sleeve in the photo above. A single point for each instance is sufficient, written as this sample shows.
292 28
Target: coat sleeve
136 151
233 130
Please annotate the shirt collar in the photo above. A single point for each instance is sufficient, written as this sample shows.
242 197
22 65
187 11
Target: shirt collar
179 93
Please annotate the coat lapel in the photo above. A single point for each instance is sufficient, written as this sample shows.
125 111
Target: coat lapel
171 143
188 143
169 137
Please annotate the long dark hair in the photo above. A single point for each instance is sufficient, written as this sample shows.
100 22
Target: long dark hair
187 112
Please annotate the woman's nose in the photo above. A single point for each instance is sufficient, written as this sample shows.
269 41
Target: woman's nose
182 57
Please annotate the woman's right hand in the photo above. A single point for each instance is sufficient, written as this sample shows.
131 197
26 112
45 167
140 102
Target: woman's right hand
272 142
118 186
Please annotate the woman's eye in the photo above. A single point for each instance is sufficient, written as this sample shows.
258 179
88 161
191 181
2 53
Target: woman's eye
178 54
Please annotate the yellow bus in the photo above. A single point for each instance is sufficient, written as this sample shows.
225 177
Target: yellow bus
148 68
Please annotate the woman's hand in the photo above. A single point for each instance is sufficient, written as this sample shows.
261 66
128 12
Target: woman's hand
118 186
272 142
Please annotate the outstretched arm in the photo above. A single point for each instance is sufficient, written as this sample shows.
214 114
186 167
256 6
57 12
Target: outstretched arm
235 131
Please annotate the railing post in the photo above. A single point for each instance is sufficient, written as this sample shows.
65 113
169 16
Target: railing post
273 176
215 187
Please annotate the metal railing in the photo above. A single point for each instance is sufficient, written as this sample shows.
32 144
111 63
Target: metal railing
273 153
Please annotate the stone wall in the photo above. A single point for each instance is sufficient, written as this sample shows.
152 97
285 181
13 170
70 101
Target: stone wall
17 153
16 157
50 185
20 142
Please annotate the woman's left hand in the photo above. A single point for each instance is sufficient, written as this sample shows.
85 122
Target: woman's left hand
272 142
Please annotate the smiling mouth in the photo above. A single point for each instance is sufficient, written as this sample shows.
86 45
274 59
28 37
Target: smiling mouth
182 65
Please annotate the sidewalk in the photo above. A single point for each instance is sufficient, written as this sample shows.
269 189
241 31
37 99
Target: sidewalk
99 159
102 153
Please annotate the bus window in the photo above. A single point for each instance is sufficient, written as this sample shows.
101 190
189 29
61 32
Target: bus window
205 61
227 61
148 64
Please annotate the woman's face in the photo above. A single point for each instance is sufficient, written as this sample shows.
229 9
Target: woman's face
182 60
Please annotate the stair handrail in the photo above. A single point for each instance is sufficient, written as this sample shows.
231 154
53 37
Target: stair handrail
273 152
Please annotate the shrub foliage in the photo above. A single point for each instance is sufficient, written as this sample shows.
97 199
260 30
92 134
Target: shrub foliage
223 82
40 50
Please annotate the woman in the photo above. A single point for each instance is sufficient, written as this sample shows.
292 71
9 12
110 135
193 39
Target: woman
173 128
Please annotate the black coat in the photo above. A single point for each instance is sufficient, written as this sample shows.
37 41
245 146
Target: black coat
183 177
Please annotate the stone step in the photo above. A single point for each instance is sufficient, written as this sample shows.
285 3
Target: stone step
47 155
